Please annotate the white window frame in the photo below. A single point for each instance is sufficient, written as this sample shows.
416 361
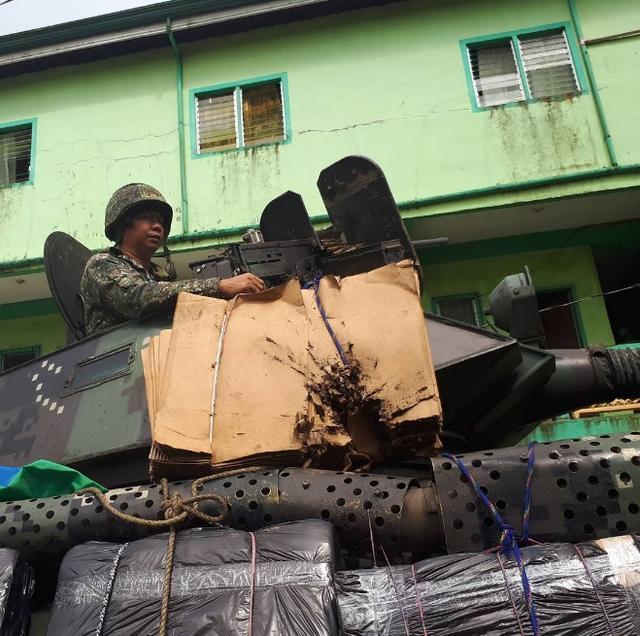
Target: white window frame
515 38
476 87
572 64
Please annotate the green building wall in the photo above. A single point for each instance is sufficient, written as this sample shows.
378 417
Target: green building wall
615 64
571 268
99 126
387 82
47 332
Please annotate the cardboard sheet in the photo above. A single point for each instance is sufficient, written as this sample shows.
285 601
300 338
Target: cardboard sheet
184 404
280 393
261 393
377 316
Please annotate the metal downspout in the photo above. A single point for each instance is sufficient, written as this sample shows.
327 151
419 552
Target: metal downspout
179 94
594 87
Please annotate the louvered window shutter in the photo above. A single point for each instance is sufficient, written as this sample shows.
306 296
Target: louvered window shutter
15 156
548 65
262 114
495 74
244 116
216 122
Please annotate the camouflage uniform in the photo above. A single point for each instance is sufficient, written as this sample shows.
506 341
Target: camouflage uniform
115 288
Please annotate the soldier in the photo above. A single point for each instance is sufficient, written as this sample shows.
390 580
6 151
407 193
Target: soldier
122 283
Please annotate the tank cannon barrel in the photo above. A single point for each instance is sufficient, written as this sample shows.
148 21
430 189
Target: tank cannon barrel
586 376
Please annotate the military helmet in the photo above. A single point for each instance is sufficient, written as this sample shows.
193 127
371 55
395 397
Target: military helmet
129 197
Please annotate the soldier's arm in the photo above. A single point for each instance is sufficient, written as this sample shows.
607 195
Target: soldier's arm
127 293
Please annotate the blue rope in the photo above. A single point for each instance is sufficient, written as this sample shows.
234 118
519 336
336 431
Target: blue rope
508 540
526 503
315 285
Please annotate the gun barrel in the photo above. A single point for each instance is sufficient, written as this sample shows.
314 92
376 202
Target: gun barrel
434 242
587 376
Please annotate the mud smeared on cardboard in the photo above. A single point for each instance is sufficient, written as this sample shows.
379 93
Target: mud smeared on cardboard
346 413
349 427
343 391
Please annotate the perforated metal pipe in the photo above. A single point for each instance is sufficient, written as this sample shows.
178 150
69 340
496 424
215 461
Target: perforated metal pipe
582 489
43 529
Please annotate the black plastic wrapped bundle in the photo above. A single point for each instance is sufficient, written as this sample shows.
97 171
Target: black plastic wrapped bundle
215 586
592 589
16 587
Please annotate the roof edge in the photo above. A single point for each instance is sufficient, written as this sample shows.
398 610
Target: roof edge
122 20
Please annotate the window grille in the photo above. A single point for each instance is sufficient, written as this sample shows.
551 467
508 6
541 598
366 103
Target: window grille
462 309
548 67
15 155
522 67
262 115
217 122
495 74
240 117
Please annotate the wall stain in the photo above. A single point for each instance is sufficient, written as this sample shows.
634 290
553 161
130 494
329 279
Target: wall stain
538 139
249 175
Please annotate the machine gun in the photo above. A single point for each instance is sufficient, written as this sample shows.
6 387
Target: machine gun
367 232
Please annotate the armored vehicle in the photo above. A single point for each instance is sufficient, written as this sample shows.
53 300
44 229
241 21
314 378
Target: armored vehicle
85 406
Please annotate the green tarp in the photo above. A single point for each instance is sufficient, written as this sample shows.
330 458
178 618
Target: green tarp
43 478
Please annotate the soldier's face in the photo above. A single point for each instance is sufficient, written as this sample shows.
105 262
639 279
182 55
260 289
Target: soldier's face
146 230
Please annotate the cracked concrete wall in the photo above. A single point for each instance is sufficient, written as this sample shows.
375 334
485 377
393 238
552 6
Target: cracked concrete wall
99 126
387 82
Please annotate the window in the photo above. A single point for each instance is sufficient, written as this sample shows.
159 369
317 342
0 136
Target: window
495 74
462 308
521 67
240 116
15 153
548 66
13 357
101 368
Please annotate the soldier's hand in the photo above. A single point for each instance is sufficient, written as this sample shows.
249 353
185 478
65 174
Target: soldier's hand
243 284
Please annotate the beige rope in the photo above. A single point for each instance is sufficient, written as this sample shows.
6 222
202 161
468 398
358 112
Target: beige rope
198 484
176 511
